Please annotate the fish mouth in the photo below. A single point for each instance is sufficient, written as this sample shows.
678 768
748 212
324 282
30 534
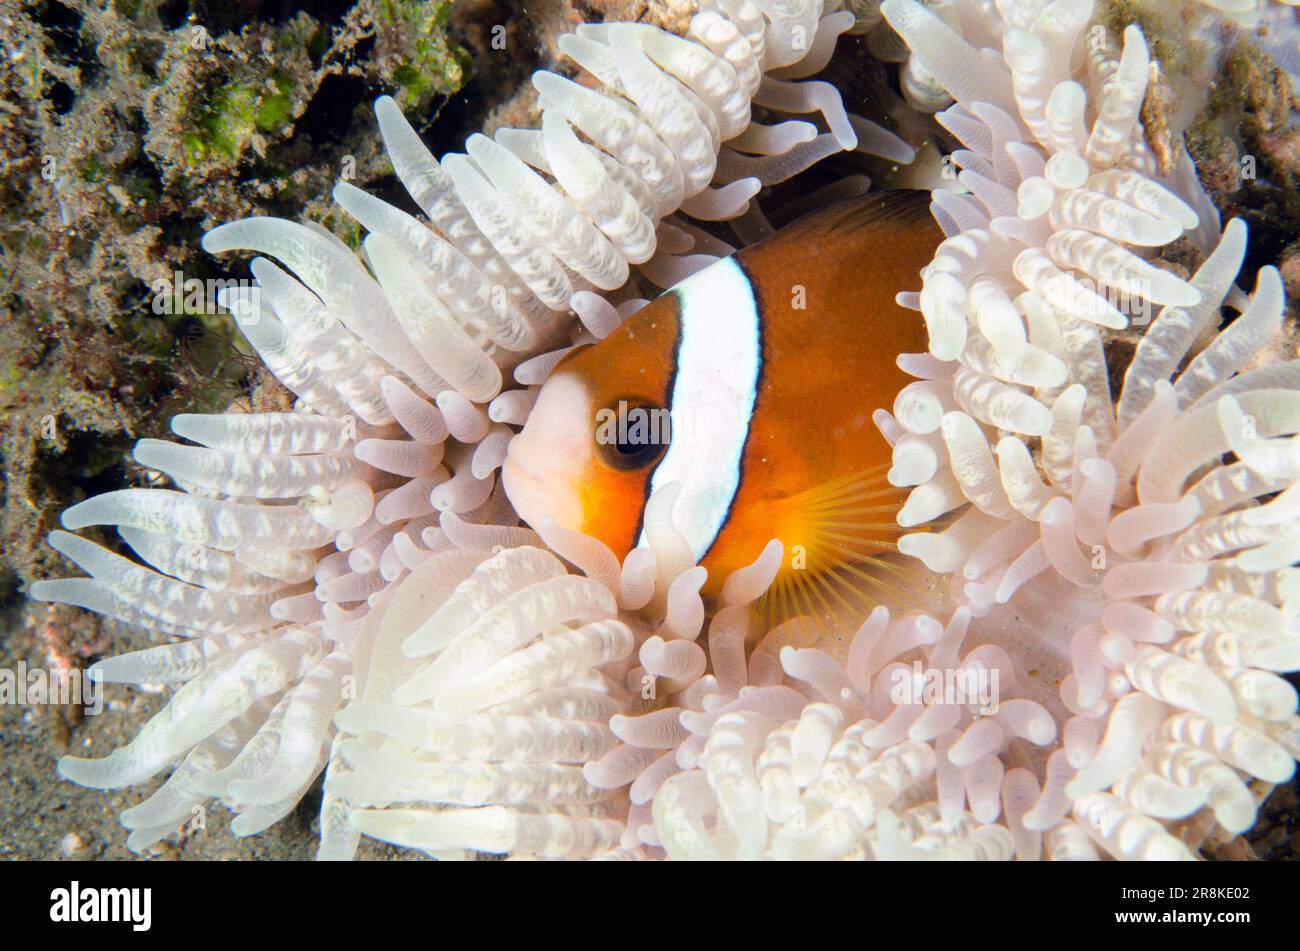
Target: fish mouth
539 493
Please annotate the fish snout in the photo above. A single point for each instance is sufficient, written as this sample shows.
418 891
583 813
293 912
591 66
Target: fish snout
537 488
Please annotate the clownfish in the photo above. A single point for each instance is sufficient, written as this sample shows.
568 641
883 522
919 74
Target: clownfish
751 384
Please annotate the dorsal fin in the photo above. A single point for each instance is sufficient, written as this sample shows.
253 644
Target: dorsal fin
857 217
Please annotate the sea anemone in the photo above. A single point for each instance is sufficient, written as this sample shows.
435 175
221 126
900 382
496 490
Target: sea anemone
356 596
286 529
514 726
1128 533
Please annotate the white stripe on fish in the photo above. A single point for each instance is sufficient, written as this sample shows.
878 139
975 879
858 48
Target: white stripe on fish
719 357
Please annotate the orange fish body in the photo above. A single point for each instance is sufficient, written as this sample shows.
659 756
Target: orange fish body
751 385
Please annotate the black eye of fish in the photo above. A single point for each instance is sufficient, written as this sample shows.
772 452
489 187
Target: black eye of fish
632 434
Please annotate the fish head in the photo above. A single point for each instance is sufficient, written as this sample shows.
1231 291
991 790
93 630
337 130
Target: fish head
599 428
